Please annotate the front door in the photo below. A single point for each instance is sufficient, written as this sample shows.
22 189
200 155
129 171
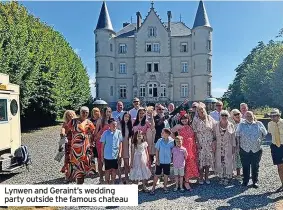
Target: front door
15 126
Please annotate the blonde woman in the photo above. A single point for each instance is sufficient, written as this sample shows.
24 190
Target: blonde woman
236 119
203 128
67 117
224 147
95 115
150 134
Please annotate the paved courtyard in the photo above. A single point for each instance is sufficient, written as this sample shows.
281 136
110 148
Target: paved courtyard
43 145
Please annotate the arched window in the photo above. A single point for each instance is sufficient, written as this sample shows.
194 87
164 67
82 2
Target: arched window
152 90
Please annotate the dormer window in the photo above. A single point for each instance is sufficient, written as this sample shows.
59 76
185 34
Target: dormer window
122 48
152 31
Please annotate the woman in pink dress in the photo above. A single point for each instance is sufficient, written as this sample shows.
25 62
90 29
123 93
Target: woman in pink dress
185 130
101 126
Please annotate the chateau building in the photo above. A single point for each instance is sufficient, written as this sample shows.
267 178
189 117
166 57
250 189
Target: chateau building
153 60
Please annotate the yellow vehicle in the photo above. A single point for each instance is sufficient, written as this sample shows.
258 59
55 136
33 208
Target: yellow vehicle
10 129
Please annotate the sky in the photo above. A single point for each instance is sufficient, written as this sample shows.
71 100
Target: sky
237 27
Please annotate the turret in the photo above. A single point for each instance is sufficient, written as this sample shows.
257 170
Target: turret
104 55
201 54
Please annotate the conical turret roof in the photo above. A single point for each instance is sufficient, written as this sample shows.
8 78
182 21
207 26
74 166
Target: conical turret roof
104 21
201 16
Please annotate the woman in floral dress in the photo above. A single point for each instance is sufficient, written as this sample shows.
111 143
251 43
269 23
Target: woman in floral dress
224 147
185 130
101 126
80 148
236 119
68 116
203 127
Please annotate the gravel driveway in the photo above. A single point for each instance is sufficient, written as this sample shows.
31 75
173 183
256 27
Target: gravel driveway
44 170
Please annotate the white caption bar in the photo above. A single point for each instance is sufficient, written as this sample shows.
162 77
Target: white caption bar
68 195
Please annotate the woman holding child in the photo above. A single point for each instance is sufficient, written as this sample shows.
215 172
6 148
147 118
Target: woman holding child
185 130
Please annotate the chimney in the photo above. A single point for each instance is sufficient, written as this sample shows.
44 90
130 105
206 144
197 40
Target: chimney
139 20
125 24
169 20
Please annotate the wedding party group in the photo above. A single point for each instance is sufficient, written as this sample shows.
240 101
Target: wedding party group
157 142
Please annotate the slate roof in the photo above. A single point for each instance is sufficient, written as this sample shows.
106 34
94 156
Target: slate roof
104 21
177 29
201 16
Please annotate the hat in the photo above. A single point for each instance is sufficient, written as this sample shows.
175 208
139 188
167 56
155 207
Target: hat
136 99
275 112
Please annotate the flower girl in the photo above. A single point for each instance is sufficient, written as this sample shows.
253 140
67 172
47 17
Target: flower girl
140 160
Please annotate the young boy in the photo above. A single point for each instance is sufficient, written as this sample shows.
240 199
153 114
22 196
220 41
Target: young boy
163 158
111 150
180 154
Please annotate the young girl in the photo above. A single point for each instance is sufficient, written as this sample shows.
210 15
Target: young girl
140 160
126 127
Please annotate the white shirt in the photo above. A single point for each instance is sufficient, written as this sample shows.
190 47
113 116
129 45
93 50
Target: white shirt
117 114
133 112
215 115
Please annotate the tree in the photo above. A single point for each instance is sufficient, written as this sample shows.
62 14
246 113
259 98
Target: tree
51 76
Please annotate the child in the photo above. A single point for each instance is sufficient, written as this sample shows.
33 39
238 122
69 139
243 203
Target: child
140 160
163 158
180 154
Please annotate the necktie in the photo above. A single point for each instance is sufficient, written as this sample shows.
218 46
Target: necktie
277 136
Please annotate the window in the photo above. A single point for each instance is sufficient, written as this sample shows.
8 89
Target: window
111 91
208 65
122 48
156 47
184 90
184 67
148 47
3 110
152 90
194 65
184 47
194 45
96 46
123 91
97 90
163 90
122 69
148 67
194 89
156 67
209 89
111 47
96 67
142 90
209 44
152 31
111 66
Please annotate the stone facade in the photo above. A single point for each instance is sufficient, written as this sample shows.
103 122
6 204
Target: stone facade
152 60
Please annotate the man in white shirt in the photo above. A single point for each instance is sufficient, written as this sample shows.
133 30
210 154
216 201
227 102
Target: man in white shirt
134 111
118 114
216 113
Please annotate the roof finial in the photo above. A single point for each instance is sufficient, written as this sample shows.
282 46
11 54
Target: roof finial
152 5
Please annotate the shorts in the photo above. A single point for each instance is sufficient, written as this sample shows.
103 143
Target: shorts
277 154
179 171
162 167
111 164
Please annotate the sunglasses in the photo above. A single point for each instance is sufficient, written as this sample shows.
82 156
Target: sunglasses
160 109
237 114
224 115
135 101
194 107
